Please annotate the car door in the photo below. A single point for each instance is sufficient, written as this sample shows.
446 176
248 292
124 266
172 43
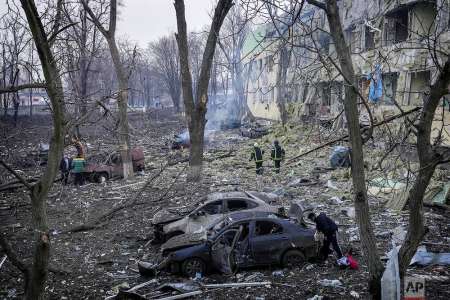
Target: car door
222 250
267 241
204 215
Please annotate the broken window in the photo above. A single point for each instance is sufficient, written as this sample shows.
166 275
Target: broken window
389 87
420 85
212 208
369 38
237 204
267 227
353 38
396 27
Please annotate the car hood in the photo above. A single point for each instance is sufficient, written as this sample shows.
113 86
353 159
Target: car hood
165 216
184 240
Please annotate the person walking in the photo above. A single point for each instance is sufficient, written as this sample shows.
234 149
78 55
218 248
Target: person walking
277 155
257 156
78 165
329 229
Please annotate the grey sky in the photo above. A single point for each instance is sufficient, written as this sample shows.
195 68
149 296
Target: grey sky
145 20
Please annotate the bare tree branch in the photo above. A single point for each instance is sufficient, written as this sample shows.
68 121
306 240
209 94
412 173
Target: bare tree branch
16 88
20 178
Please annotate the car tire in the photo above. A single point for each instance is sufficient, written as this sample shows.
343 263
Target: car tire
191 266
293 257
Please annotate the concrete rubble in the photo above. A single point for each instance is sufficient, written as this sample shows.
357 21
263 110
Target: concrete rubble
111 252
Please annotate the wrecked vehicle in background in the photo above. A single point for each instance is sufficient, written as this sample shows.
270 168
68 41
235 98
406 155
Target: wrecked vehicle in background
171 222
244 240
112 165
181 141
254 130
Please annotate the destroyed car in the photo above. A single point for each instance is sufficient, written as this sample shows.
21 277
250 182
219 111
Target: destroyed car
251 239
181 141
168 223
112 166
254 131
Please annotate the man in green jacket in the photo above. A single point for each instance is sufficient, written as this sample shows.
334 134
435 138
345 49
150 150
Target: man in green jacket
78 165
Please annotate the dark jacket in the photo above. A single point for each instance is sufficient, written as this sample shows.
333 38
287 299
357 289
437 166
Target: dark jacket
277 153
65 165
325 225
257 154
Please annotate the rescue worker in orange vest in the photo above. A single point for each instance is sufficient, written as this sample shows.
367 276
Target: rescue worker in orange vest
257 156
277 155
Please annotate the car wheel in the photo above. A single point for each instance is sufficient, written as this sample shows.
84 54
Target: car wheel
102 177
192 266
293 257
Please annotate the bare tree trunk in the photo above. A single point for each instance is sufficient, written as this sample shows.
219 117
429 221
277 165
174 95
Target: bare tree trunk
196 110
175 95
122 99
281 83
30 95
122 102
40 190
16 104
368 241
428 160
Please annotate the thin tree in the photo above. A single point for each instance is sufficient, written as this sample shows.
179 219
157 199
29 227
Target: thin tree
234 34
166 62
368 241
122 77
36 276
196 107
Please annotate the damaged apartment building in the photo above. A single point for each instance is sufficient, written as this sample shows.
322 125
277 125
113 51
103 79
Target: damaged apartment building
395 41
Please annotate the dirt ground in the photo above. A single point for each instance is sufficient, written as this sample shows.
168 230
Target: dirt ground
90 264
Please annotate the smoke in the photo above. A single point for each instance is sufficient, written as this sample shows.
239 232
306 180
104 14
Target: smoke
223 112
183 137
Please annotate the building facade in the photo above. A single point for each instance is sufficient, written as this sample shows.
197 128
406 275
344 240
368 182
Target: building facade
396 44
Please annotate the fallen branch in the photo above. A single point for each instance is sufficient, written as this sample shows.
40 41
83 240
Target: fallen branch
3 260
290 161
182 296
14 259
18 176
15 184
236 284
109 214
16 88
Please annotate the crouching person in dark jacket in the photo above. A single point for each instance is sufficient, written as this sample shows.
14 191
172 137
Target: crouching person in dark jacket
329 229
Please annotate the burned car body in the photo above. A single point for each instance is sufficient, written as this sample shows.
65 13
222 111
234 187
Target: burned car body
112 166
169 223
181 141
254 131
252 239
